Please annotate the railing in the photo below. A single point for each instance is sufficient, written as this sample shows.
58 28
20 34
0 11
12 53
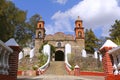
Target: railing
45 66
67 65
115 53
5 51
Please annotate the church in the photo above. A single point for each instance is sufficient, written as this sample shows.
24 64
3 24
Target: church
60 40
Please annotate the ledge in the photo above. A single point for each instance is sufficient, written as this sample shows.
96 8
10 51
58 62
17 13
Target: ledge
3 45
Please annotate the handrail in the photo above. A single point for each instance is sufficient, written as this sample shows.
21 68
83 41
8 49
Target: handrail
46 65
67 63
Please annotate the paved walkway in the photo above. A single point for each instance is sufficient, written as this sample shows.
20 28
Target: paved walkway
56 68
64 77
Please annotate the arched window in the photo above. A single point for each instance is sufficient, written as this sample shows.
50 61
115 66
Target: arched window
79 34
39 35
78 25
39 25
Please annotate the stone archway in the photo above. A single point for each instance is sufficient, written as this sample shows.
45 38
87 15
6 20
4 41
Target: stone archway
59 55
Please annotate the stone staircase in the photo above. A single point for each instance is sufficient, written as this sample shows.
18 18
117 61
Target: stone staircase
56 68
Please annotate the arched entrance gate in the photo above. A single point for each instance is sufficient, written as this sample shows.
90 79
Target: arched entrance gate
59 55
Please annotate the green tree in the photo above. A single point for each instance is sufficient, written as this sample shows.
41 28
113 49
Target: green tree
115 32
90 41
10 18
13 23
22 36
32 24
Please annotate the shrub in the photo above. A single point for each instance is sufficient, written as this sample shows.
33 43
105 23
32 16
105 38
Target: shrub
35 67
27 56
42 59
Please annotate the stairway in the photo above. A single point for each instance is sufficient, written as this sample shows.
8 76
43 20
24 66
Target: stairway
56 68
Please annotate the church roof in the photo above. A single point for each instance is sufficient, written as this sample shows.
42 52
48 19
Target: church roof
59 36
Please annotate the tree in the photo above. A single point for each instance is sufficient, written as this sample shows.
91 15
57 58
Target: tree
115 32
32 24
90 41
22 36
26 32
10 18
13 23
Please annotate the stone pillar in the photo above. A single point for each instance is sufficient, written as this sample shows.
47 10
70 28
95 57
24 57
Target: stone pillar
13 61
107 64
77 70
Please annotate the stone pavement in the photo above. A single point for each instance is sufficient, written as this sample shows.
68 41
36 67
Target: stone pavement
59 77
56 68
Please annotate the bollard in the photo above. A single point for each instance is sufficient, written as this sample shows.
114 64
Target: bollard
76 70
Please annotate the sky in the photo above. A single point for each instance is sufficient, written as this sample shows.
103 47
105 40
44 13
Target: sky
60 15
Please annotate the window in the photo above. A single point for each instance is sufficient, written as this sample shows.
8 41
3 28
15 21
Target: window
39 25
78 25
79 34
59 44
39 35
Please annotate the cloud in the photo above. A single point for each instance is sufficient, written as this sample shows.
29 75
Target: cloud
118 2
60 1
94 13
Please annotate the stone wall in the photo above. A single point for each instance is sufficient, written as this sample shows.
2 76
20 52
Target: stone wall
76 45
38 44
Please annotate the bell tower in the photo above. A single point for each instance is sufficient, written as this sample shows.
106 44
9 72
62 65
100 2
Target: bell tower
79 35
79 30
40 35
40 30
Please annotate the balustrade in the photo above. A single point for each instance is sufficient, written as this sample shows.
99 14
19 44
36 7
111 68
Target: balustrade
115 52
5 51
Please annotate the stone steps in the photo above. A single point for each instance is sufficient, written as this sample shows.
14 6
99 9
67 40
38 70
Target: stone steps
56 68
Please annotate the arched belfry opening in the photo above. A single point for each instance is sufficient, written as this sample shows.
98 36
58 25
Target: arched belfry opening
59 55
39 34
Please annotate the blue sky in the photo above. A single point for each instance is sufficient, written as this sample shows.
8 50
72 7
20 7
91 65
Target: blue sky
59 15
46 8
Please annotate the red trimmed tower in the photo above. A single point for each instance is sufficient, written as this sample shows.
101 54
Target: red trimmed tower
79 30
40 34
40 30
79 35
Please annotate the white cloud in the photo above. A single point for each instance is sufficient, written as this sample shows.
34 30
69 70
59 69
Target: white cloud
60 1
94 13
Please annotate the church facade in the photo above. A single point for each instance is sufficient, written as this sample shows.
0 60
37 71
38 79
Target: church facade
59 39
